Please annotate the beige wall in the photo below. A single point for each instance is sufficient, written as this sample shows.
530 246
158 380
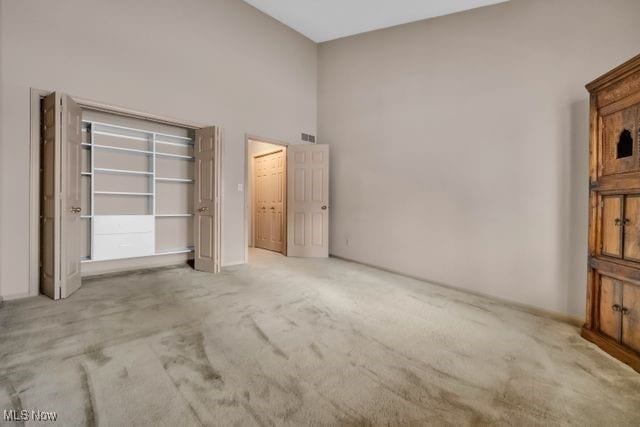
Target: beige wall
210 61
459 144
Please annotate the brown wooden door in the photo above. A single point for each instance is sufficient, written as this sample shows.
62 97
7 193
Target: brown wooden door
632 228
612 226
610 307
631 316
207 200
270 189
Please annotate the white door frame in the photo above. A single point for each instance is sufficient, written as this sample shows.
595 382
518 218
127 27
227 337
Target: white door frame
34 167
247 177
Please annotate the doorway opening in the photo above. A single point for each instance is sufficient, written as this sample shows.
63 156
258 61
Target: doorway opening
287 197
267 195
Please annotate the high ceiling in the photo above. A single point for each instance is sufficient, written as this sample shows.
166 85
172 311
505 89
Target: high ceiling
323 20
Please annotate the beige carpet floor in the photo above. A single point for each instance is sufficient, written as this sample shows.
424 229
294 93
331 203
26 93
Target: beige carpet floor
284 341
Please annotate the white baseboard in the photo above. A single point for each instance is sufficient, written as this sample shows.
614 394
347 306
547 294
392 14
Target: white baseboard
14 296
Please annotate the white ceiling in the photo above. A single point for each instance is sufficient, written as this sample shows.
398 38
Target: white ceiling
323 20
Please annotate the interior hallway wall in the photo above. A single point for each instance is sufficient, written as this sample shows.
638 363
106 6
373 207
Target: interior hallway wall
216 62
459 144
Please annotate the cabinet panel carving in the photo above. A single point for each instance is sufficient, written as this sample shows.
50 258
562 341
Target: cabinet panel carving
620 142
632 228
610 306
612 226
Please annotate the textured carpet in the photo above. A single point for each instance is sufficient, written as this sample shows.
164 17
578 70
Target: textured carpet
286 341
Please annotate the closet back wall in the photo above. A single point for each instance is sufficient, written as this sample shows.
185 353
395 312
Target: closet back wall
218 62
469 133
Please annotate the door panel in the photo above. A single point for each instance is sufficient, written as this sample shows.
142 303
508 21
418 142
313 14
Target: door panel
610 306
71 222
631 316
49 227
269 186
612 226
632 228
308 196
620 142
207 200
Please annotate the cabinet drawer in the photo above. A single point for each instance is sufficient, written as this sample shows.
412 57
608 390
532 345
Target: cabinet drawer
123 224
123 245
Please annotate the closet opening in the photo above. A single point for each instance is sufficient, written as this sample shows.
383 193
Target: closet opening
117 190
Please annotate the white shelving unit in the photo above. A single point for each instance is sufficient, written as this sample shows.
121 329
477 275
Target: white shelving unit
127 235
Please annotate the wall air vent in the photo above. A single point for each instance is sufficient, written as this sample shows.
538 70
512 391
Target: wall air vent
309 138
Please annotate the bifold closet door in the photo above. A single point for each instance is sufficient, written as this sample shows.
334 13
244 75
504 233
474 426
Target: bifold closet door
61 210
207 200
308 200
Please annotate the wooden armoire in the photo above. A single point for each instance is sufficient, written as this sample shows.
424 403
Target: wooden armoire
613 283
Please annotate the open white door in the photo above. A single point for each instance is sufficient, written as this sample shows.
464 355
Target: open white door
60 230
207 200
308 200
71 137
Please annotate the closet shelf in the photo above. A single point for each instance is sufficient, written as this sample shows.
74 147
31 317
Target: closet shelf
122 193
122 171
125 136
175 251
174 180
128 150
85 174
175 156
175 144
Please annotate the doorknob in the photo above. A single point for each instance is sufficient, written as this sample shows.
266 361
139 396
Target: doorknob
324 208
203 210
76 209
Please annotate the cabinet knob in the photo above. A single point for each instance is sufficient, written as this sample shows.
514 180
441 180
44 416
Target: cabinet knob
203 210
616 307
624 311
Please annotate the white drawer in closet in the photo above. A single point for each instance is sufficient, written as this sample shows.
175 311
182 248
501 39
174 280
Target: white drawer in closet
123 236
